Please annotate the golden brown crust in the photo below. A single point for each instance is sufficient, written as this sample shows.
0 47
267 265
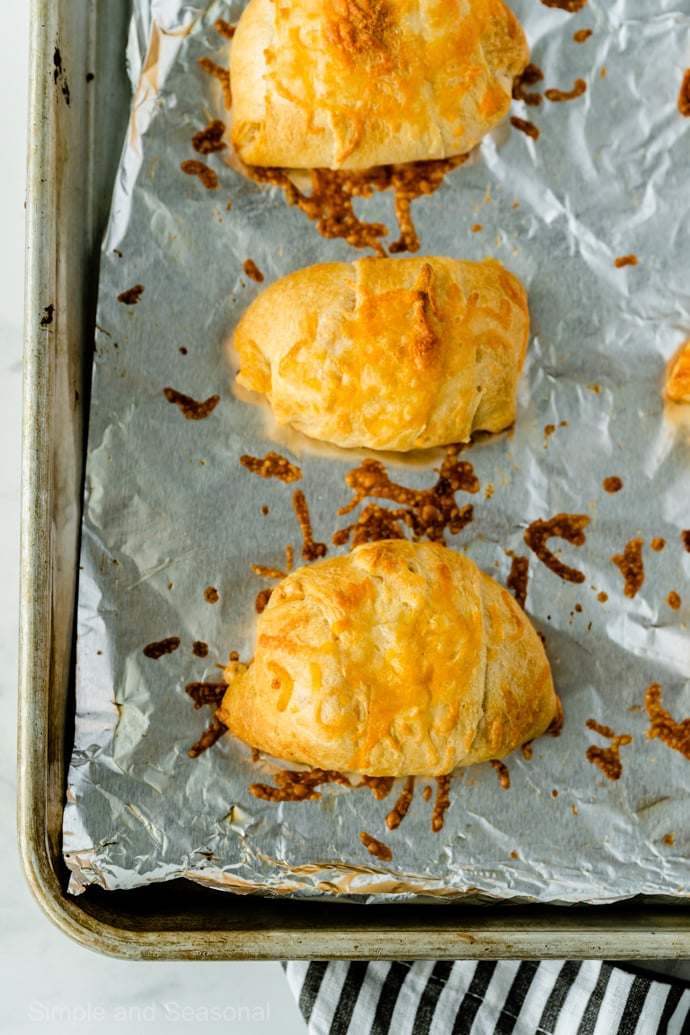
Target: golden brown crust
393 354
349 84
397 659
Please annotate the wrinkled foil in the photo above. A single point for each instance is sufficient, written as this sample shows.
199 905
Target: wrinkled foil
170 511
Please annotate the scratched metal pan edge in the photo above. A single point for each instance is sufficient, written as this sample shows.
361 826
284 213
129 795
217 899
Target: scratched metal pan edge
78 109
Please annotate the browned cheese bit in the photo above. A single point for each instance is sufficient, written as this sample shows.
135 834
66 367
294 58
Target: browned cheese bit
503 772
675 735
402 805
427 512
207 694
571 6
380 786
376 847
208 738
253 271
559 96
210 140
273 465
190 408
132 295
518 579
311 550
525 126
607 759
562 526
531 75
193 167
556 727
684 96
631 566
441 804
158 648
224 28
222 75
262 599
625 260
330 202
292 785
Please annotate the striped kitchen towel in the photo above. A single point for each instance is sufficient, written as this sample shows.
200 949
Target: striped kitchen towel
505 997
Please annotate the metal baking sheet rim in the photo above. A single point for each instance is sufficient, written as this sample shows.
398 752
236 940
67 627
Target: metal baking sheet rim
207 926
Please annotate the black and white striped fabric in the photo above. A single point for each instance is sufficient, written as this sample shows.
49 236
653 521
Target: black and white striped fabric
506 997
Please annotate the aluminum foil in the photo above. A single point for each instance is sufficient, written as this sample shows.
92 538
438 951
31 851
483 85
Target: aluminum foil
170 512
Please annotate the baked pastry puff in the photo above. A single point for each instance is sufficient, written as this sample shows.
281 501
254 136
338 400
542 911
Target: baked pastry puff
397 659
350 84
390 354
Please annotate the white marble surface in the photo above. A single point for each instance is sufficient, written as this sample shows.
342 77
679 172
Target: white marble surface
49 983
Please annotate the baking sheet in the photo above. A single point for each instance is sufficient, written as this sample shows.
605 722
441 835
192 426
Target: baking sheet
171 512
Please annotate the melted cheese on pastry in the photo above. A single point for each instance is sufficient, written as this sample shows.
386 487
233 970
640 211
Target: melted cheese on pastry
349 84
393 354
394 660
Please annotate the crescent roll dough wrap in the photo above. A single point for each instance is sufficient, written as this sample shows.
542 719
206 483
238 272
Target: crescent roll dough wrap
349 84
392 354
397 659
